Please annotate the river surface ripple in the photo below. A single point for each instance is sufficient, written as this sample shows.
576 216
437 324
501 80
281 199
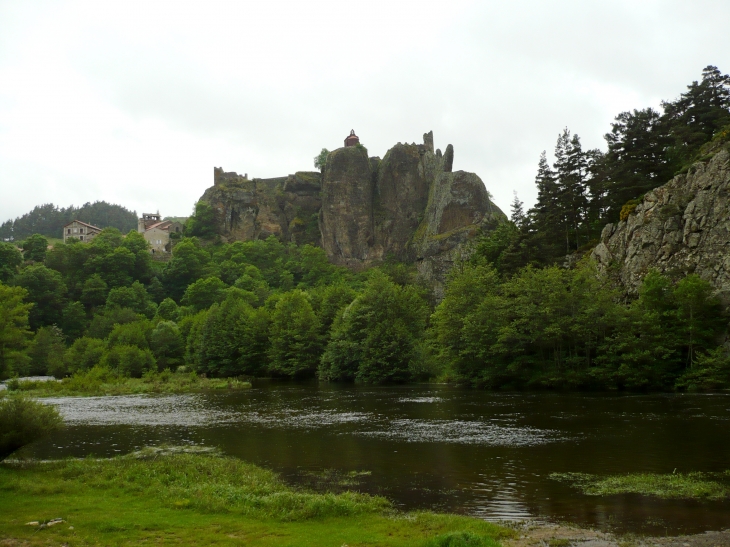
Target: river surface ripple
435 447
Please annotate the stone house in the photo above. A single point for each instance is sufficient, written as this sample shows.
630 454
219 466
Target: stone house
157 232
79 230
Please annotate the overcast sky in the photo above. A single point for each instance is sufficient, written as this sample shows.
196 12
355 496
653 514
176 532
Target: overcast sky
136 102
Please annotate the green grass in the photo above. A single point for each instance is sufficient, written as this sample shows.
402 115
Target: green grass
183 496
102 381
707 486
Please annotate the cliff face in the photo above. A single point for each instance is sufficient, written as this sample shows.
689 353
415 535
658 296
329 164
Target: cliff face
286 207
679 228
409 205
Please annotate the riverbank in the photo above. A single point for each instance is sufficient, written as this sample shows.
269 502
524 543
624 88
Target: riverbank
188 496
101 381
537 534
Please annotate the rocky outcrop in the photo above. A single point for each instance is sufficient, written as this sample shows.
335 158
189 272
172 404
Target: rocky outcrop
346 218
679 228
362 210
286 207
408 206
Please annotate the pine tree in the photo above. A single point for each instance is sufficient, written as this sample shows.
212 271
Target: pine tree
697 115
518 213
571 170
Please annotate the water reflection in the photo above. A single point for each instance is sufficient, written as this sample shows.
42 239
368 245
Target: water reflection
430 447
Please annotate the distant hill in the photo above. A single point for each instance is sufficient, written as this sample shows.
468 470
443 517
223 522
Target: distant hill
49 219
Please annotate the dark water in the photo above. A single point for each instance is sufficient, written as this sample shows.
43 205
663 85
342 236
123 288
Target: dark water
465 451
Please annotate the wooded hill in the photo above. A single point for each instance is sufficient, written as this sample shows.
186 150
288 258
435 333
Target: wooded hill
49 220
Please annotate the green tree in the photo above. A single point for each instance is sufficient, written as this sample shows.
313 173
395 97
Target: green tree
84 354
697 115
189 263
167 345
131 334
203 293
138 246
328 302
104 322
34 248
14 332
636 160
74 320
47 292
46 352
115 265
202 223
135 297
711 372
10 259
95 292
229 340
320 160
465 292
378 336
129 361
699 316
295 345
156 290
168 310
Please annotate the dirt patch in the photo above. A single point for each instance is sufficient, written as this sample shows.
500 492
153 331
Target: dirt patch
561 535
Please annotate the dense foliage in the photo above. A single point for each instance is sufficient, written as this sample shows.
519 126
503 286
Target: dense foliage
560 328
49 220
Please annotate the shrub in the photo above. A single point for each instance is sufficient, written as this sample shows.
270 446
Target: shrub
23 421
84 353
129 360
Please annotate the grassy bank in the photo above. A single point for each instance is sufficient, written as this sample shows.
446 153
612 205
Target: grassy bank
102 381
169 496
708 486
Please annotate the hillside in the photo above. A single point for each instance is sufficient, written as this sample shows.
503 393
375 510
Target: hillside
49 219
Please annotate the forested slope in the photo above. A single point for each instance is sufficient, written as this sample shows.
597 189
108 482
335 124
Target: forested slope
49 220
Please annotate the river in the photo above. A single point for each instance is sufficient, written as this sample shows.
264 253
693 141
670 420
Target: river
436 447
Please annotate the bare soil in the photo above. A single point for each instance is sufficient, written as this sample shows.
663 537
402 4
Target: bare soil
561 535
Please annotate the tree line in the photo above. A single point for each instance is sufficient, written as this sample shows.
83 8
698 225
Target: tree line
264 308
49 219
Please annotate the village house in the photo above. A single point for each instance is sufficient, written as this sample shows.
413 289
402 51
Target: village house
79 230
157 231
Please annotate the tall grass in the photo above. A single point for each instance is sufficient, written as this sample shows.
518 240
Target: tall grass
207 482
23 421
708 486
103 381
